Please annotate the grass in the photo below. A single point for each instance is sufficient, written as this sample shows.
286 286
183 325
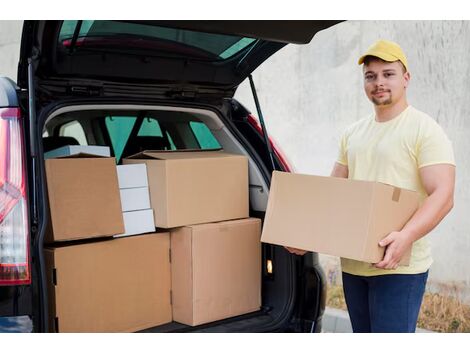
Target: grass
440 312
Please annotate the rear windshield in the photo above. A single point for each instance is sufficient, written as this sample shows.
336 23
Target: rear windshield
106 34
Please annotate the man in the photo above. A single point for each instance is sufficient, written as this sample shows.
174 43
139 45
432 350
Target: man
404 147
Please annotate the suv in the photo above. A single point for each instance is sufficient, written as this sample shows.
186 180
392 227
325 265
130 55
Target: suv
133 86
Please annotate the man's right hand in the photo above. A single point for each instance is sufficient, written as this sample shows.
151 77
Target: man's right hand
295 250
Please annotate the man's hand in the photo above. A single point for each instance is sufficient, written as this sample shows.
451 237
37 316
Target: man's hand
438 181
396 244
295 250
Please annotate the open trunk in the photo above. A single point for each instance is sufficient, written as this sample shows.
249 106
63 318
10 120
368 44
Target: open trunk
185 127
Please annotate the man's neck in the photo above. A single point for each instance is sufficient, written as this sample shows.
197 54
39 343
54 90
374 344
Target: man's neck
389 112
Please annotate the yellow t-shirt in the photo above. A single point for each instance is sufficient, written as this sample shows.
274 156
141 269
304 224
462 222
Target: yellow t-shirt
392 152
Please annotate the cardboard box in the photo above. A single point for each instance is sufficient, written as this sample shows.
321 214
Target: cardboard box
336 216
84 199
70 150
117 285
215 271
137 222
132 176
135 198
195 187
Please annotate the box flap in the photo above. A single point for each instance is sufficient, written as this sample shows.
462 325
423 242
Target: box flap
181 154
82 155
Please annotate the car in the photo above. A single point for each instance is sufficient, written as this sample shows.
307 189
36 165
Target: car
134 86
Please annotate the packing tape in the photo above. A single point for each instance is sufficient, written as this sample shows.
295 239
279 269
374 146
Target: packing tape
396 194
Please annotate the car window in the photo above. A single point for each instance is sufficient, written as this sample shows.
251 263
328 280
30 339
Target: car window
141 35
74 129
119 129
204 136
151 128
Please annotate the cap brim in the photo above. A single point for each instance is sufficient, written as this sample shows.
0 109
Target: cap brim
381 55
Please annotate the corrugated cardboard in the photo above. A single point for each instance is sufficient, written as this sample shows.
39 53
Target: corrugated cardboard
195 187
135 198
84 198
132 176
335 216
137 222
117 285
69 150
215 270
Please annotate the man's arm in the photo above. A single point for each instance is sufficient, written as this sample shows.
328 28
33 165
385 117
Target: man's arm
438 181
338 171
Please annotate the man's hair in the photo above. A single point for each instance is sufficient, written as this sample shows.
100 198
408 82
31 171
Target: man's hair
369 58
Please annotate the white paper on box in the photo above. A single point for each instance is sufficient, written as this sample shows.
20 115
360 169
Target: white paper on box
77 149
137 222
132 176
135 198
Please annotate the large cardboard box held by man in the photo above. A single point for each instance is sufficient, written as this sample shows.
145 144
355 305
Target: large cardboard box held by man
84 199
112 285
215 270
195 187
335 216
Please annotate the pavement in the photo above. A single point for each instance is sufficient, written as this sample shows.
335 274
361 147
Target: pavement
337 320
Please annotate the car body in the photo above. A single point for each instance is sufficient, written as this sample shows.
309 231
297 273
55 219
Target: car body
137 85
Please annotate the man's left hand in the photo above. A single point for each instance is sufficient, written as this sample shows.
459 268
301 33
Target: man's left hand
396 244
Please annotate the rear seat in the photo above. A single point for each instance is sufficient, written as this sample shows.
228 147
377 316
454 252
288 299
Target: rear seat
140 143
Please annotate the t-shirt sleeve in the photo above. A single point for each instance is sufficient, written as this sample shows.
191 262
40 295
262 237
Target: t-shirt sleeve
342 151
434 147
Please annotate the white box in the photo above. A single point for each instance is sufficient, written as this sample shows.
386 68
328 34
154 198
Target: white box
68 150
137 222
135 198
132 176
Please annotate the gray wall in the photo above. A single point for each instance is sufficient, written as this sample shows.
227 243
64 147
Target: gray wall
10 36
309 94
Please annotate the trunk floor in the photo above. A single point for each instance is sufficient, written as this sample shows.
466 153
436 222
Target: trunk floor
242 323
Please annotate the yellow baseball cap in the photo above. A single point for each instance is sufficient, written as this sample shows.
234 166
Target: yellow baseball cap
387 51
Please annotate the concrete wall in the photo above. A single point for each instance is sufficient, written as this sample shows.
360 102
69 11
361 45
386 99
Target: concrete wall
310 93
10 37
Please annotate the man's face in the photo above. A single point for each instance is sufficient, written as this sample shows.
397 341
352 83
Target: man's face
384 82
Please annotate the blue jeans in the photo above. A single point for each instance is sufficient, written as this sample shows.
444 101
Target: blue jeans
384 303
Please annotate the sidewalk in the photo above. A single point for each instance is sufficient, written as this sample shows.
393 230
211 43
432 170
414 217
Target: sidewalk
337 320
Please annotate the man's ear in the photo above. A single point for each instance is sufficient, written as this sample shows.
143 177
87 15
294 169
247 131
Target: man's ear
407 77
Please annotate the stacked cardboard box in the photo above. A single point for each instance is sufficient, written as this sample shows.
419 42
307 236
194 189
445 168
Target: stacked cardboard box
96 283
195 187
135 199
123 284
83 198
117 285
215 270
202 197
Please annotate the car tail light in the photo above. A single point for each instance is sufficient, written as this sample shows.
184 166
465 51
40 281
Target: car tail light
14 228
286 165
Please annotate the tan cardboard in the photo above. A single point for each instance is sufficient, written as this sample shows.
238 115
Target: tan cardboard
216 270
336 216
115 285
84 199
190 187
